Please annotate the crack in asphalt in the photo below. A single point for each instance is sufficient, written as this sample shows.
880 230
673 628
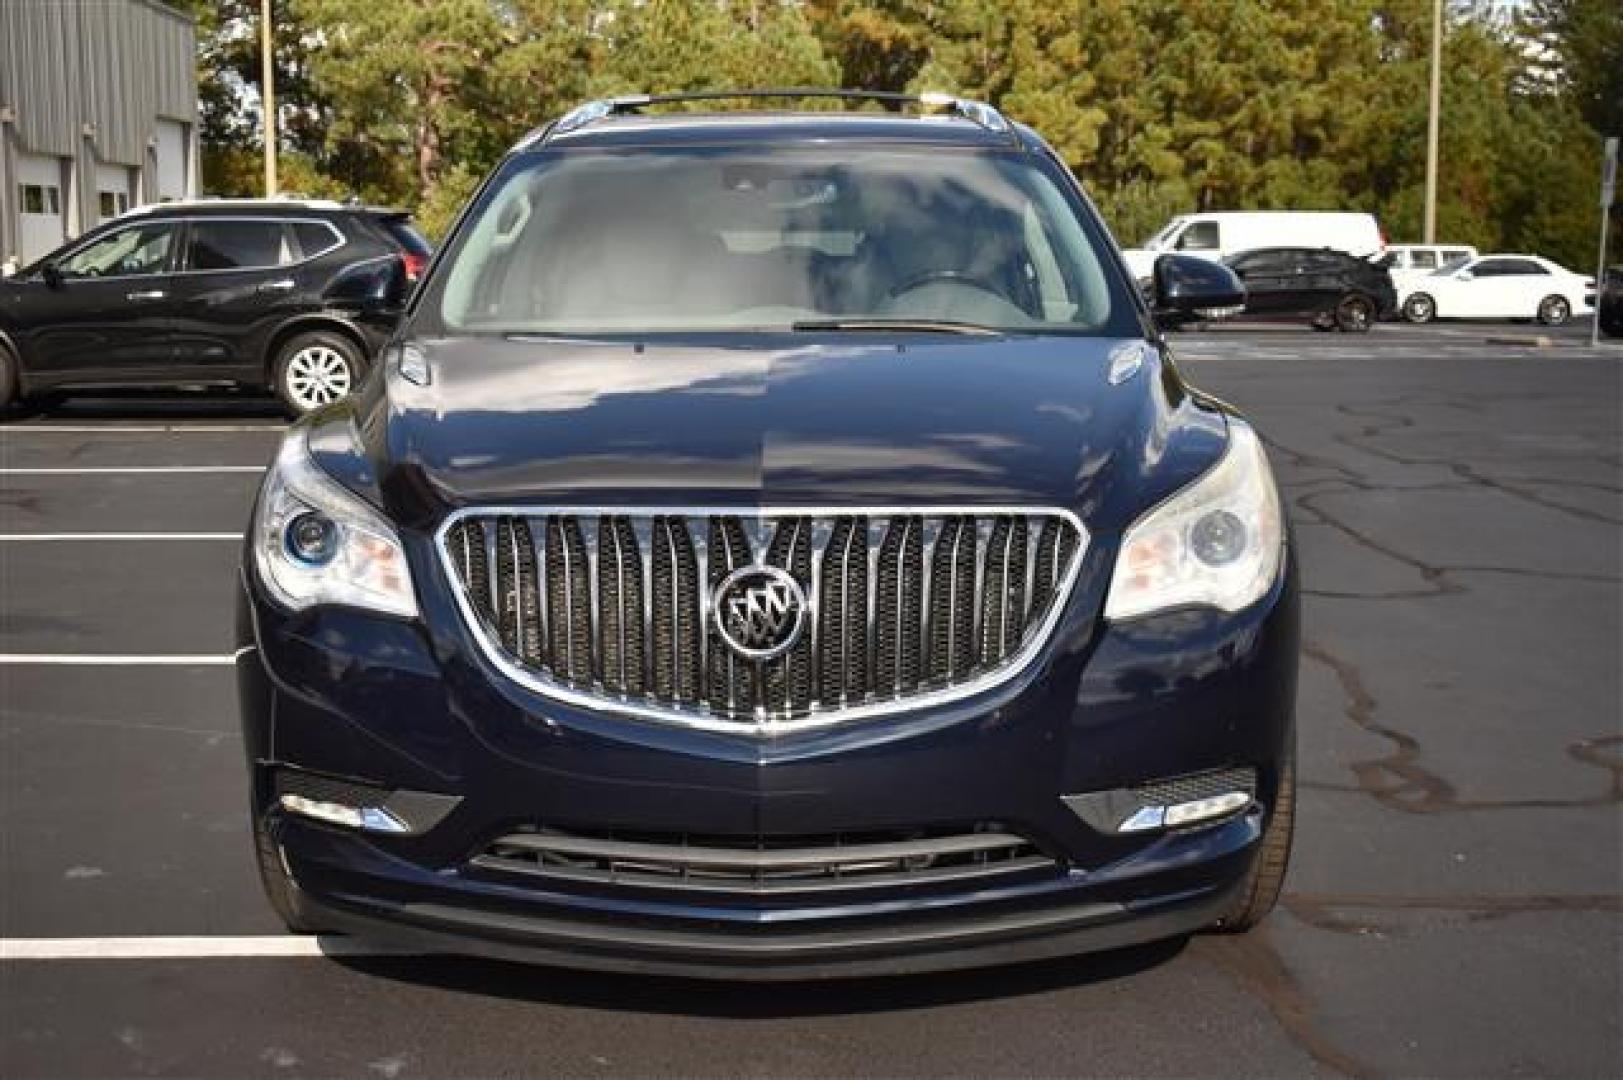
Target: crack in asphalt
1394 422
1258 966
1329 911
1255 963
1436 577
1399 782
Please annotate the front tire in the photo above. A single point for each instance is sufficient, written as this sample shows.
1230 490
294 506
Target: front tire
1355 314
280 888
1554 310
1420 308
1267 874
317 369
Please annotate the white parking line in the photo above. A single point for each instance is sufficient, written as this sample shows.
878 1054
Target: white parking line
104 470
132 429
190 948
23 537
113 660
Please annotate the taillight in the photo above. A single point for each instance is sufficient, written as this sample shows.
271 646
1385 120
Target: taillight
1384 241
415 264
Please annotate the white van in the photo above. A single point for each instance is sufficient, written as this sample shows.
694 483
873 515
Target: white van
1408 263
1223 233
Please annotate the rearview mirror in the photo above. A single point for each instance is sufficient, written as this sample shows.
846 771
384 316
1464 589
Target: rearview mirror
1187 288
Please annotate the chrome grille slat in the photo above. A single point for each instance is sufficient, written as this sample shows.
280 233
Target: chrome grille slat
751 865
905 607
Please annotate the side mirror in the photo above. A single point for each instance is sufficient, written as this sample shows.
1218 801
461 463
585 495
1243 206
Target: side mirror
377 286
1464 275
1186 288
51 274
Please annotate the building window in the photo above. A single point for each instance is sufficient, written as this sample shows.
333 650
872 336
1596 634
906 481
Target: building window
113 203
40 198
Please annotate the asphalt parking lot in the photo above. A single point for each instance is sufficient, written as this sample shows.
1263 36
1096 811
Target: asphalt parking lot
1453 907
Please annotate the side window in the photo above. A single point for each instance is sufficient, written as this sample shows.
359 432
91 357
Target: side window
314 238
1266 262
1454 257
1423 260
1200 236
237 245
1524 266
1493 268
140 249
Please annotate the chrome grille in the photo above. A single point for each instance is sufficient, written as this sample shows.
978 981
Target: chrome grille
767 866
905 608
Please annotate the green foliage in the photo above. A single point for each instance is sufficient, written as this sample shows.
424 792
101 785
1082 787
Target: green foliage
1161 108
438 211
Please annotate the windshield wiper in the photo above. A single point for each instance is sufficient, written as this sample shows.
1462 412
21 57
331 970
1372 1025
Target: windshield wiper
901 326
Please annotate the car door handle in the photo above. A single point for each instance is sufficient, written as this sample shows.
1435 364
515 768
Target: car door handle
277 286
148 294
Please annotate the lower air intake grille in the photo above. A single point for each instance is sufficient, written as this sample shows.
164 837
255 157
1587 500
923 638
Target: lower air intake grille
329 789
1185 789
764 866
895 608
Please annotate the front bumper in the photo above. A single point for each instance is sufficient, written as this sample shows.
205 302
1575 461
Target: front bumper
408 708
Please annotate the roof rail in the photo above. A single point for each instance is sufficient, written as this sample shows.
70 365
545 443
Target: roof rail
227 202
977 112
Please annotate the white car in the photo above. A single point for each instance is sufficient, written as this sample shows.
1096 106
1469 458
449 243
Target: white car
1498 287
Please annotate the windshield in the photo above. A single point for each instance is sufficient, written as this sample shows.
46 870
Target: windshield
773 239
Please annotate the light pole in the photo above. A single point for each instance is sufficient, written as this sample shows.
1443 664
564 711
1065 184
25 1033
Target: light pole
1608 192
1430 228
268 94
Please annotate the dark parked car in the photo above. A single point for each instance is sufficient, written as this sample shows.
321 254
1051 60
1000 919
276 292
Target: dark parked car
1610 301
1333 290
258 293
774 545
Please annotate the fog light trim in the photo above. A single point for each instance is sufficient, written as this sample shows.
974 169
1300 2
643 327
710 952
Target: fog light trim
1188 813
366 818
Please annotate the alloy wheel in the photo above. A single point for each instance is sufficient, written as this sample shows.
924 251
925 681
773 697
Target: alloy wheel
1354 315
317 375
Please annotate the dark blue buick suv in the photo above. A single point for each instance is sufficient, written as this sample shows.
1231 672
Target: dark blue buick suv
774 545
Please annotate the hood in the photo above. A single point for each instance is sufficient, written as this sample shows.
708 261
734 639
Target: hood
779 420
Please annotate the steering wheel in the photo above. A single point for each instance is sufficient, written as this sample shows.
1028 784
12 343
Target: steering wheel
957 277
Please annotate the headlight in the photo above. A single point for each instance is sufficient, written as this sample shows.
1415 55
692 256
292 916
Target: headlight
316 543
1218 542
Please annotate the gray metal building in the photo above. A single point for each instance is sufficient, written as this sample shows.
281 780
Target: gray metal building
98 113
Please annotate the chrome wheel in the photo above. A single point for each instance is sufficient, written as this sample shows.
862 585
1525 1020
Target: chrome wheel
1419 308
1554 310
317 375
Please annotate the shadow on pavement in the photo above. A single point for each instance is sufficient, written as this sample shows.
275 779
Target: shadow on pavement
153 405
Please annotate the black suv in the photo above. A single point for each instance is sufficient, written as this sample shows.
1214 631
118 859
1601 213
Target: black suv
774 545
1333 290
257 293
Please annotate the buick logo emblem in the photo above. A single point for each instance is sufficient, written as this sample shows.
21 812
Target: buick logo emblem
760 612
